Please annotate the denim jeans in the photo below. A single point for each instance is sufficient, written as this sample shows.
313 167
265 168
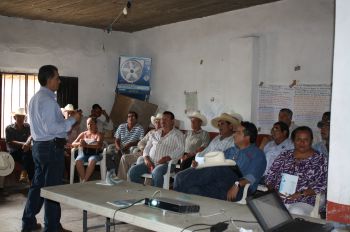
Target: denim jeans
49 169
136 171
211 182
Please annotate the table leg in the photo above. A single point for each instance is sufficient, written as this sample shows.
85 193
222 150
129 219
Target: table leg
108 224
85 229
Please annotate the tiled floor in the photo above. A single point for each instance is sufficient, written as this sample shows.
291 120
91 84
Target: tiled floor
12 201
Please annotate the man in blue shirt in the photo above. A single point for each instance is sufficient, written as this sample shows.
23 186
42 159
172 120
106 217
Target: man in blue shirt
223 182
49 130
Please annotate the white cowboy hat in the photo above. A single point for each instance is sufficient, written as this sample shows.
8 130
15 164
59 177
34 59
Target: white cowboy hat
199 116
69 107
233 118
215 158
7 164
19 111
154 118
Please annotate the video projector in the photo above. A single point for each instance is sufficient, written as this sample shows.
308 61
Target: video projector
172 205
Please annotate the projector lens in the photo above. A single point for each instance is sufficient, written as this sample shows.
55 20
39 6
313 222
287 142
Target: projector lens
154 202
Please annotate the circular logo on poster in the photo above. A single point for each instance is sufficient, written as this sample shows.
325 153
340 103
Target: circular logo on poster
131 71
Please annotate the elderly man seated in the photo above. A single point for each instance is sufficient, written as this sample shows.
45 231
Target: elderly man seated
279 144
226 123
219 180
164 145
303 166
127 135
18 142
196 140
128 160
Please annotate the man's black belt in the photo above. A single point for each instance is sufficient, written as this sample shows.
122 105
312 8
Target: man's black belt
58 141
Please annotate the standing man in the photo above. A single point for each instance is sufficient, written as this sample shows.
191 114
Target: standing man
49 130
18 144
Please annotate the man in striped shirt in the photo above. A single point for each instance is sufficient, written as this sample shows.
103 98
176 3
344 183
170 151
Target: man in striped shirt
127 135
167 143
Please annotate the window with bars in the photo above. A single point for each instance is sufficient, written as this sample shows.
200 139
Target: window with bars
16 92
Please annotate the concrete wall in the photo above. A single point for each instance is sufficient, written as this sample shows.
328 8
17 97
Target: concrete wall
277 37
90 54
338 208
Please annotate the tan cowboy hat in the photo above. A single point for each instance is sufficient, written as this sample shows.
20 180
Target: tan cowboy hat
19 111
69 107
154 118
199 116
233 118
7 164
215 158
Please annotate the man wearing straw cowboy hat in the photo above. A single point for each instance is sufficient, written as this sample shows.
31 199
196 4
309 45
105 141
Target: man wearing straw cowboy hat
49 130
196 140
217 179
18 141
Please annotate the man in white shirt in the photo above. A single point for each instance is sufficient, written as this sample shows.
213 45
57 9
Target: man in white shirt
280 142
165 144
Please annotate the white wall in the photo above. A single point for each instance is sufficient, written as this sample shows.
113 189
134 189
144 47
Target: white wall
338 173
25 45
284 34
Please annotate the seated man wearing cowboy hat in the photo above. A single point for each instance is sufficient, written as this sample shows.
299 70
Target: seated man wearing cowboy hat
196 140
18 142
217 179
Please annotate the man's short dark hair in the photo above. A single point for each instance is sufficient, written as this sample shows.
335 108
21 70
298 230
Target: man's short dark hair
46 72
134 113
250 130
302 128
172 116
96 106
287 111
284 127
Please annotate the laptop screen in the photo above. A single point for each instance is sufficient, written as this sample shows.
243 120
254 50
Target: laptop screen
269 211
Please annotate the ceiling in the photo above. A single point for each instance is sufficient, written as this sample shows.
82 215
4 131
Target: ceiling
142 14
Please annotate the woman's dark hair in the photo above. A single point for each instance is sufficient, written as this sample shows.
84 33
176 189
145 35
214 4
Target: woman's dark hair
46 72
284 127
302 128
250 130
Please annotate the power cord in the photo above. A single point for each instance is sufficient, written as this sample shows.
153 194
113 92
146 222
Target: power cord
134 203
218 227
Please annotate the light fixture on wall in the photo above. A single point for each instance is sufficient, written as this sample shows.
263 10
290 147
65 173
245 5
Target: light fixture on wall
124 12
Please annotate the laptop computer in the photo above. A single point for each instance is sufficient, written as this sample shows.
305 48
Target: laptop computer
273 216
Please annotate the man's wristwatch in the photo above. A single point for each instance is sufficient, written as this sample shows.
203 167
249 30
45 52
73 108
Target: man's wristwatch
237 184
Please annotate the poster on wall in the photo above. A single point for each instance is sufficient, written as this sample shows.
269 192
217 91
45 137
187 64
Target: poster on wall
307 101
134 77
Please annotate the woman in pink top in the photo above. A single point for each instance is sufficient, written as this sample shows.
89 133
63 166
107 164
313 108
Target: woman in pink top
90 144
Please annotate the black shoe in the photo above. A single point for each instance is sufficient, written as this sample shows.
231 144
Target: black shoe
36 227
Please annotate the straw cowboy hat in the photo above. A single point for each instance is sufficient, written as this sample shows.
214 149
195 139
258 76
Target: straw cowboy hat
69 107
199 116
215 158
233 118
7 164
154 118
19 111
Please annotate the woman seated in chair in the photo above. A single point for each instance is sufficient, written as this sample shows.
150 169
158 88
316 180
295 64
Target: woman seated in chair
307 169
90 144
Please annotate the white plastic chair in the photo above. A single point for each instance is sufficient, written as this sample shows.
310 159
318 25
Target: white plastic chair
101 163
166 176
